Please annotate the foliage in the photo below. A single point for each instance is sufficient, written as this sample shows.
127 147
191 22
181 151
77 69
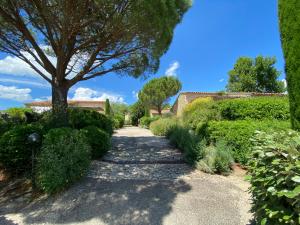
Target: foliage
237 134
199 110
146 121
137 111
107 108
80 118
119 108
162 126
289 20
259 108
99 141
188 143
21 115
275 178
118 121
156 93
125 37
216 159
255 75
64 158
16 150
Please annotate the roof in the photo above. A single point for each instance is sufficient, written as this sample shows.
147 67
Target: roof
71 103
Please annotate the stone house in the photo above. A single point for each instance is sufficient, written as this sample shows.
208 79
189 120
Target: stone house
185 98
42 106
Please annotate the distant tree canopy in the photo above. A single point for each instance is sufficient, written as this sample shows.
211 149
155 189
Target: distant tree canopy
255 75
119 108
87 38
289 19
137 111
156 93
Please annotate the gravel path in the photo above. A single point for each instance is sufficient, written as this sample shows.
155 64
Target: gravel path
142 180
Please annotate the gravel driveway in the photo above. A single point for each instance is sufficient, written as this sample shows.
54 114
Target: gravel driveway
142 180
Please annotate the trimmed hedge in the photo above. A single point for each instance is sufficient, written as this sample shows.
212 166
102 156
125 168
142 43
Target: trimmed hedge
118 121
64 158
80 118
237 134
275 178
161 127
98 139
16 150
259 108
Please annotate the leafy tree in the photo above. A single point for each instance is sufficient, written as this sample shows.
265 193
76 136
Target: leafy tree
157 92
68 41
289 18
137 111
255 75
119 108
107 108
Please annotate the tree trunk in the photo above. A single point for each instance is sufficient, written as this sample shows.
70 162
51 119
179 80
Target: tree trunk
159 110
289 19
60 105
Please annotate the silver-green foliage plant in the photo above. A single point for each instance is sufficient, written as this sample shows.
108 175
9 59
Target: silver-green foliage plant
162 126
275 178
64 158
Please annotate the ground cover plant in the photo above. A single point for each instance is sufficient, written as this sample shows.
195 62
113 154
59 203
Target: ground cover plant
162 126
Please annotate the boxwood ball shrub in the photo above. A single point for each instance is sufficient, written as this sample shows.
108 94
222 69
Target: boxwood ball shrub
259 108
80 118
161 127
237 134
16 150
64 158
98 139
275 178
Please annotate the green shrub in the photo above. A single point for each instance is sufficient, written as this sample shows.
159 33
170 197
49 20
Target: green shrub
98 139
161 127
118 121
275 178
146 121
187 142
16 150
237 134
216 159
4 126
259 108
80 118
200 110
64 158
18 114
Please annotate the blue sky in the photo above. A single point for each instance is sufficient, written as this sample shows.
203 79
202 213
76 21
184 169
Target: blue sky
212 35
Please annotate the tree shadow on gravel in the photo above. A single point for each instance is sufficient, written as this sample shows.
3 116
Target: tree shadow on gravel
108 202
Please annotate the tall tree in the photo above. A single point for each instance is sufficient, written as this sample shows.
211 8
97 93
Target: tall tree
107 109
289 19
87 38
255 75
156 93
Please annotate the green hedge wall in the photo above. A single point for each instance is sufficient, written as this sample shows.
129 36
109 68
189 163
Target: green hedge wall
237 134
259 108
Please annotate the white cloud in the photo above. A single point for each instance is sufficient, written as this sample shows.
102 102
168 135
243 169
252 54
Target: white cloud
135 94
27 82
14 93
92 95
172 70
221 80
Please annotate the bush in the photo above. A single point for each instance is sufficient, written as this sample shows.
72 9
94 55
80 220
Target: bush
119 121
161 127
187 142
4 126
80 118
146 121
200 110
98 139
237 134
275 178
16 150
64 158
259 108
216 159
